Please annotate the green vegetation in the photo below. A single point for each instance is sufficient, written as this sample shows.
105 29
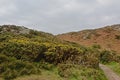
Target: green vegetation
73 73
115 66
117 37
109 56
11 68
111 59
41 55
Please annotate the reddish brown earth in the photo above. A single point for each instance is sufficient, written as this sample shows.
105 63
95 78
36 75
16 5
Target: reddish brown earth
107 37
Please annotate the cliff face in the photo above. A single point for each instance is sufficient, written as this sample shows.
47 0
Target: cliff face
107 37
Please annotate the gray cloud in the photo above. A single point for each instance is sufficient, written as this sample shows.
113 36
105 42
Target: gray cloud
59 16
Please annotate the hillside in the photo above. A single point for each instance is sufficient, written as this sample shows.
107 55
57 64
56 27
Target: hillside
107 37
27 53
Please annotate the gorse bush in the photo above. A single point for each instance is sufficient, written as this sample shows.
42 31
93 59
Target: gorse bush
76 72
109 56
11 68
49 52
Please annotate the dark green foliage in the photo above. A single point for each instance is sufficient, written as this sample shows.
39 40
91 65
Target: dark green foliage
109 56
3 59
12 68
96 46
10 74
117 37
105 56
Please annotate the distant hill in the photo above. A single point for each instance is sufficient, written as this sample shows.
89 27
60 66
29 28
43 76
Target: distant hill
107 37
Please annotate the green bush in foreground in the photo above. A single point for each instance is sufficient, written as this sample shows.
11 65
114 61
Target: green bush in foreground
67 72
109 56
12 68
76 72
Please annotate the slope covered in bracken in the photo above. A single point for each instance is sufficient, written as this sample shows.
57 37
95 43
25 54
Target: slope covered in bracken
107 37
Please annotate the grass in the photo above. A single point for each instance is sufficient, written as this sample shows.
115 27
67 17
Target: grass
38 77
115 67
70 74
45 75
1 79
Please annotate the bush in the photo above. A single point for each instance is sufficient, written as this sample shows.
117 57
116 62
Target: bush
10 74
96 46
109 56
77 72
3 58
11 68
117 37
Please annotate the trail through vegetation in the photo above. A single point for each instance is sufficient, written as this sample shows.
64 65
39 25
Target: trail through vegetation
109 73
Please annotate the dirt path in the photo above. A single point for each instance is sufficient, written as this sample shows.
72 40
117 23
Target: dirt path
109 73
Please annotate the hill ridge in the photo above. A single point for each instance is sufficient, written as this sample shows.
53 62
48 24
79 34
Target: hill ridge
107 37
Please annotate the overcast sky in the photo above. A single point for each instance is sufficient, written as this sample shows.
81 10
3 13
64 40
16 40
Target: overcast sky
60 16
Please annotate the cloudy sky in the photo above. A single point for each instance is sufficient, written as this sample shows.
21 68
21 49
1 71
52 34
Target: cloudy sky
60 16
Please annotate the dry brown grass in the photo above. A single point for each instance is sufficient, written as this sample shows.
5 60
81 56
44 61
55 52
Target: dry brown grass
105 37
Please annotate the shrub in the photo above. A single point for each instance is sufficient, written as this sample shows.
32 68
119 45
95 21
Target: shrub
117 37
10 74
96 46
108 56
3 58
14 68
